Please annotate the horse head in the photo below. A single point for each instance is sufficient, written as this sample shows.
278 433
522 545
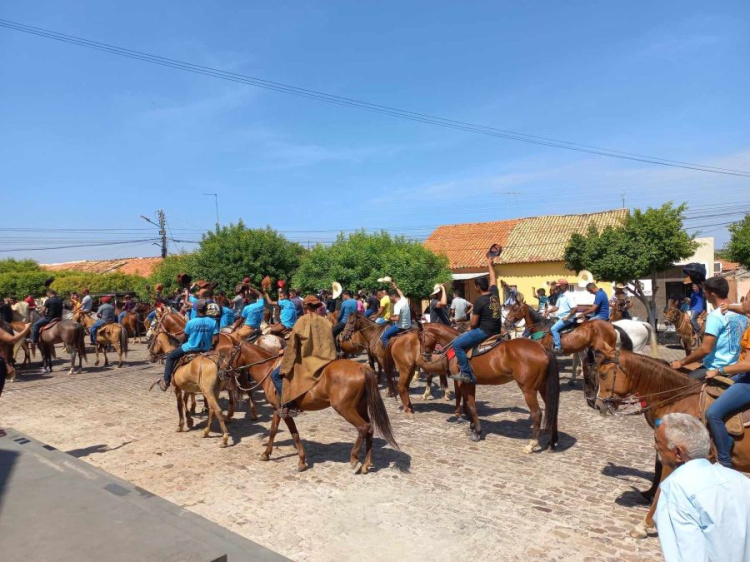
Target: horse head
352 324
612 380
516 313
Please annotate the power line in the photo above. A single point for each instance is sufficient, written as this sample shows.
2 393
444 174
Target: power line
80 245
364 105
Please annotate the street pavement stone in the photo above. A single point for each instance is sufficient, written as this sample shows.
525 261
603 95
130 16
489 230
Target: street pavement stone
441 497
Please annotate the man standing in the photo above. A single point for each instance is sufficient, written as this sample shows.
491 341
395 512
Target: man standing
600 309
348 306
53 309
439 306
309 351
486 321
704 509
199 332
565 310
105 314
460 308
721 343
401 317
697 306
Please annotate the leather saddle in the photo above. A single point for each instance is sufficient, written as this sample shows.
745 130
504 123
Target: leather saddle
52 323
398 334
487 345
736 423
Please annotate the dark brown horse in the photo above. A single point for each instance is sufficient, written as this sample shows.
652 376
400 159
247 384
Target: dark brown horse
69 333
627 378
348 387
684 327
534 369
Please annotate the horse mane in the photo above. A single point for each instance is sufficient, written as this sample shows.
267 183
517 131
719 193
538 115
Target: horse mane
652 375
536 317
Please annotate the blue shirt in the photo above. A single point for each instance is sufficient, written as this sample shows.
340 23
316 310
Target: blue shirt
697 302
199 330
347 307
704 513
192 312
727 329
602 305
253 314
287 313
227 317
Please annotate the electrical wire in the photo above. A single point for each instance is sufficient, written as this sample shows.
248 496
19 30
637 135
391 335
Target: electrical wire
364 105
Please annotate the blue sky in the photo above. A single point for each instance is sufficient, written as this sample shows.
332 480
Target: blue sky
92 140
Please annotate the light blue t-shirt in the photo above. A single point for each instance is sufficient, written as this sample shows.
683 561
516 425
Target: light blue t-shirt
564 305
199 330
192 313
727 329
287 313
703 513
347 307
227 317
253 314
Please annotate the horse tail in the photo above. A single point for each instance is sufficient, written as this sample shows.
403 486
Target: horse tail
653 343
81 342
552 396
625 342
124 339
376 408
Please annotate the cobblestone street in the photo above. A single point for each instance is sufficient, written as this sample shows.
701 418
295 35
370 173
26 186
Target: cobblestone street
440 498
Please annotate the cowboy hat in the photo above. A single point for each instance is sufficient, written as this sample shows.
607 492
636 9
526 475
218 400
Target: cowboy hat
494 251
337 289
266 283
585 277
436 289
311 300
562 281
620 286
385 279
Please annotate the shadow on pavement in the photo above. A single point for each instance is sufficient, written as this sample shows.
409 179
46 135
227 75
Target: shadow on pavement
86 451
7 461
617 471
632 498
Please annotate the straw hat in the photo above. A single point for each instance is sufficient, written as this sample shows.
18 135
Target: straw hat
337 289
436 289
385 279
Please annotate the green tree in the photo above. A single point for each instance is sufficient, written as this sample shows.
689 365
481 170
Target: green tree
166 272
738 248
10 265
358 260
647 243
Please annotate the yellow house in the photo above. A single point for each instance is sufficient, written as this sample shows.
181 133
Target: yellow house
533 249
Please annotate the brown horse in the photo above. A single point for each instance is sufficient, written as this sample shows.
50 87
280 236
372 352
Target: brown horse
133 325
110 334
627 378
69 333
534 369
365 333
8 341
684 327
21 344
348 387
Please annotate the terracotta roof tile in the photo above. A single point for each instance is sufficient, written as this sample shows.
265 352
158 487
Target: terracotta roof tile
727 266
466 244
130 266
527 240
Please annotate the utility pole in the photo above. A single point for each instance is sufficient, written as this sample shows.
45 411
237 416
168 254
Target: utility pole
162 229
623 195
216 203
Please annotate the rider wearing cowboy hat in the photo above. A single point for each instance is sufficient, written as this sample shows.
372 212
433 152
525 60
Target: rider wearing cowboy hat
565 310
439 305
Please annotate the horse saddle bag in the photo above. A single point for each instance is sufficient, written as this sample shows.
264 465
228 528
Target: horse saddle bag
736 423
51 324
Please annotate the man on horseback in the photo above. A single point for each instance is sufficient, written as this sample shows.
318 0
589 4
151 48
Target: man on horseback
199 332
252 314
127 306
287 312
600 309
87 303
105 314
721 344
348 306
565 310
401 317
53 310
311 348
621 301
697 307
439 306
385 311
486 321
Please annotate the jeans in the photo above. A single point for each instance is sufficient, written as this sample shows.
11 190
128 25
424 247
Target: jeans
277 381
38 326
172 358
734 399
94 327
465 341
694 321
555 329
626 315
121 316
337 329
380 320
369 313
388 333
151 316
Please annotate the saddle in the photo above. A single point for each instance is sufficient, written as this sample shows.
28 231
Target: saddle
737 423
487 345
50 324
398 334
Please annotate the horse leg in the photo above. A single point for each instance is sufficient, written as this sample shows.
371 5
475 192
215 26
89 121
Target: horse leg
213 404
444 385
181 423
266 455
459 396
536 419
576 366
230 412
357 416
253 412
469 394
643 528
185 396
192 403
649 494
73 354
428 387
404 378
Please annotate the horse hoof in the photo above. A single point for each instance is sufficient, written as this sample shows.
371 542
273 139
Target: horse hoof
364 470
96 363
640 531
223 445
180 429
447 397
264 457
571 382
475 437
205 434
301 468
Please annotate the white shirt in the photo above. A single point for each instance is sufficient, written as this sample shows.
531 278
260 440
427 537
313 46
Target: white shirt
401 308
87 303
704 514
564 305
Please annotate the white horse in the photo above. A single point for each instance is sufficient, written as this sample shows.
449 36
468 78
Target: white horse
641 334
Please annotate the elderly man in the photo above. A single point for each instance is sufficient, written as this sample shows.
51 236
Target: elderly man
704 509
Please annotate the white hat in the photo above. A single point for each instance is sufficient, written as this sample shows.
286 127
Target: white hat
436 289
385 279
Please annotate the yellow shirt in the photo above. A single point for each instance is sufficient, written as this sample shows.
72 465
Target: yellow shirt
387 306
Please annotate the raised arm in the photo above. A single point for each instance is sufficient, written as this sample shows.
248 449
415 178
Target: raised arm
400 294
491 271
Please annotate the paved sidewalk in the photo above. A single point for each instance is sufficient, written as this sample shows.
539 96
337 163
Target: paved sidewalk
54 507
